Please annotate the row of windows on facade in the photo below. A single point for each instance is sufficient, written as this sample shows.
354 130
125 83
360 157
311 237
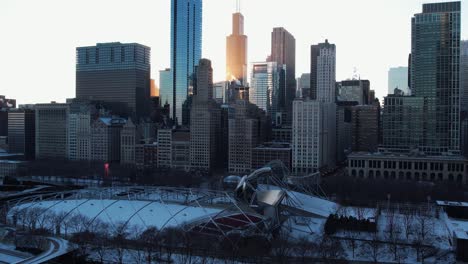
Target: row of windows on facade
408 165
408 176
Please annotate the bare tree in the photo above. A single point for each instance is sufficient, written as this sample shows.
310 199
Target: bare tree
303 248
119 240
330 249
375 246
281 247
408 222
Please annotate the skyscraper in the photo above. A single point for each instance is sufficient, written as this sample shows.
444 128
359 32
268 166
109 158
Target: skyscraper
464 77
322 72
313 135
21 132
204 121
398 78
236 51
51 130
166 94
435 67
283 52
117 74
268 89
354 91
186 46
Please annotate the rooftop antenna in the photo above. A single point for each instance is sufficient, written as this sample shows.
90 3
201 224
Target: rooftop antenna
238 5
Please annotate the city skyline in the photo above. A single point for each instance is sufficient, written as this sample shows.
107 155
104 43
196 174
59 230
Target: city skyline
217 19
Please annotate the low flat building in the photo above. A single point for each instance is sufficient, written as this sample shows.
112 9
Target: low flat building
268 152
414 167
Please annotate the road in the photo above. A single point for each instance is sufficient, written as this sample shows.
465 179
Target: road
57 247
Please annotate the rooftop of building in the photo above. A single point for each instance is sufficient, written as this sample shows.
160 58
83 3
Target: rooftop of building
113 44
274 146
415 155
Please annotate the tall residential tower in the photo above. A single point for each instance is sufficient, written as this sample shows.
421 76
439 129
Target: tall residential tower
186 47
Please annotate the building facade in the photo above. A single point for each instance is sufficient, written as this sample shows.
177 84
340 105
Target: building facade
271 151
205 121
117 74
398 79
81 115
435 74
164 140
128 140
186 48
313 136
365 127
166 94
408 167
21 132
268 89
323 72
236 51
283 52
354 91
105 139
51 130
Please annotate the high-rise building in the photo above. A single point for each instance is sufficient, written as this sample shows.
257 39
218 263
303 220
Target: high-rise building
186 47
21 132
246 125
164 141
220 90
154 88
354 91
402 126
365 129
117 74
398 79
343 129
204 121
283 52
268 89
236 51
51 130
304 85
435 74
323 72
181 150
81 115
166 88
128 140
5 105
464 77
105 138
313 135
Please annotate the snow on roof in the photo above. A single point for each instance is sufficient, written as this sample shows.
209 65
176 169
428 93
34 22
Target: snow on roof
451 203
309 203
459 228
140 214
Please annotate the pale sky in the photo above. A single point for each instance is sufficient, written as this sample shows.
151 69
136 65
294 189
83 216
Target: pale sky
39 37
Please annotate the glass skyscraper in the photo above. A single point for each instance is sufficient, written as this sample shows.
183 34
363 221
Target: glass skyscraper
435 66
117 74
186 46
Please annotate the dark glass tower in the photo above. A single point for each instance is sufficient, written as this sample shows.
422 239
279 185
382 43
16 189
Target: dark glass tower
435 66
186 45
117 74
283 51
21 132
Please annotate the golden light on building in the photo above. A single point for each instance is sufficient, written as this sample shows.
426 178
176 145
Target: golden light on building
236 51
154 89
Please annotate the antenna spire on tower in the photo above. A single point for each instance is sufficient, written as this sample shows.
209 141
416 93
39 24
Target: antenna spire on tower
238 6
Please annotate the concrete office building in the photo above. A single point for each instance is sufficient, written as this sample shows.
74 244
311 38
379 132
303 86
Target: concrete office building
105 139
354 91
313 136
408 167
269 152
323 72
51 130
164 141
117 74
365 127
204 121
128 140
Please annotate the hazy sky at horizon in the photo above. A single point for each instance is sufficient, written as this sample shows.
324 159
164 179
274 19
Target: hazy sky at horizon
38 38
